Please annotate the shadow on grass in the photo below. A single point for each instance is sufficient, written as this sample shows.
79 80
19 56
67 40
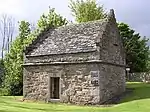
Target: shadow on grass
136 91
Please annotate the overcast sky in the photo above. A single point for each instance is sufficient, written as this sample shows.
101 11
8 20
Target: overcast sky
136 13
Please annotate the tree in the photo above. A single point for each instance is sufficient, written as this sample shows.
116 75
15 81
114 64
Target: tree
14 59
24 30
51 20
1 72
137 50
85 11
7 26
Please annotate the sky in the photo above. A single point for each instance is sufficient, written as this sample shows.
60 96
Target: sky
136 13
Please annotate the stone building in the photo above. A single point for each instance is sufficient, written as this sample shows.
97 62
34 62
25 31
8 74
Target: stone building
80 63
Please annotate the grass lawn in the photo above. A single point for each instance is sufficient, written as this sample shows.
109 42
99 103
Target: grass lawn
138 101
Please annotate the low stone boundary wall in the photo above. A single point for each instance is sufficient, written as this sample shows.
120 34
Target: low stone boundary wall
138 77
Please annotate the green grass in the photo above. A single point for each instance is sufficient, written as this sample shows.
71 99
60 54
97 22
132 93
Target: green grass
137 101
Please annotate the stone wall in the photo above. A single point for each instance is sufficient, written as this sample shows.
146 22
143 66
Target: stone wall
35 84
138 77
112 81
111 46
76 82
77 87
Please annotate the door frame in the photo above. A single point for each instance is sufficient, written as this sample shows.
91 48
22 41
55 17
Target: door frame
49 88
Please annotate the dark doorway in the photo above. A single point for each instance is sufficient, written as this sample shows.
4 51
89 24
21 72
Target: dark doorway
54 87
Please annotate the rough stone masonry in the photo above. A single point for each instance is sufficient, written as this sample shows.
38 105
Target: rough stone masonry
80 63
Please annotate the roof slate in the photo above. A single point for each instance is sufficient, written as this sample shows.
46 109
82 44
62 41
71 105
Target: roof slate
73 38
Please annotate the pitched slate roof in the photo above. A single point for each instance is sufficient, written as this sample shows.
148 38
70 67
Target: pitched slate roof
69 39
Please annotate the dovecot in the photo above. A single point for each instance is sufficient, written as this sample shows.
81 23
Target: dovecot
79 63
